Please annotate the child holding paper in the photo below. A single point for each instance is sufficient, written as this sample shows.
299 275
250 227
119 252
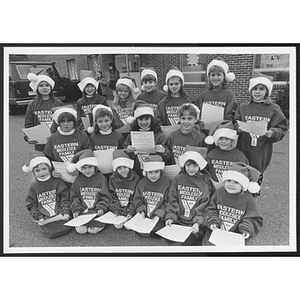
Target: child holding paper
152 191
122 184
258 149
47 197
189 134
232 207
167 109
89 192
218 93
144 121
189 194
90 98
40 109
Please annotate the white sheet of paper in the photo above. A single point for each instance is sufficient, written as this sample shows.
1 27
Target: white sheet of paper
220 237
80 220
171 171
140 224
110 218
105 158
176 233
61 167
211 113
86 122
38 133
258 128
167 130
53 219
143 141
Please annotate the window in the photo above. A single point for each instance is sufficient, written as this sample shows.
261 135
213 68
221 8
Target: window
193 67
275 65
72 69
23 70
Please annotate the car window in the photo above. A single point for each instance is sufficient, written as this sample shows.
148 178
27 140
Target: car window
23 70
48 69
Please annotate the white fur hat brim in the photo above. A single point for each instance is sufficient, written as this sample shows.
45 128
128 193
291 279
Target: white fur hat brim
142 111
148 72
261 80
59 111
224 132
129 83
236 176
122 161
219 63
153 165
193 155
35 80
100 106
87 80
36 161
87 161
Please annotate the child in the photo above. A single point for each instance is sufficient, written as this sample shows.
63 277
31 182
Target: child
89 100
122 184
189 133
217 93
89 192
167 109
150 94
144 121
47 197
189 194
40 109
68 139
258 149
232 207
222 157
152 191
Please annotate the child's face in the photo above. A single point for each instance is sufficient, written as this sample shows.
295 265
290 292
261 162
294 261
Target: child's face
123 91
89 89
149 85
144 122
66 125
232 187
225 143
41 171
123 171
216 78
153 175
191 167
259 93
187 121
174 85
88 170
44 88
104 123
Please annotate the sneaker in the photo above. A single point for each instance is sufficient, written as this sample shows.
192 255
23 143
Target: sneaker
119 226
81 229
94 230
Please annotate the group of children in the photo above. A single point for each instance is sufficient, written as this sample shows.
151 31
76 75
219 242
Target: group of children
221 168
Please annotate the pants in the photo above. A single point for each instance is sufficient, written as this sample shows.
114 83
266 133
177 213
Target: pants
55 229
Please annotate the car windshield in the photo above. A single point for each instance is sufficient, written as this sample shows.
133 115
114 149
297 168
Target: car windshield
23 70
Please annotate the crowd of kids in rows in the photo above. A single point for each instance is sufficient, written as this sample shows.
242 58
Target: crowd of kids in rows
221 167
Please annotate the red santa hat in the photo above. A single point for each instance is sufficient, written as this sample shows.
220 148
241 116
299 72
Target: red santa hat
87 80
229 76
35 80
129 83
120 158
97 107
139 110
220 129
245 175
63 109
152 163
81 158
259 78
35 158
196 154
174 72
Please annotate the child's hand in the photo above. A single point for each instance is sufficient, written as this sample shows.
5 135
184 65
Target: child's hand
213 227
56 174
169 222
66 217
269 133
75 173
128 216
130 149
246 234
160 149
142 213
40 222
195 228
75 215
100 212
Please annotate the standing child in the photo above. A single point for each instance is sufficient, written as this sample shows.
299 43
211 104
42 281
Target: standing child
40 109
167 109
151 94
232 207
152 191
189 133
47 196
122 184
258 149
89 100
89 192
189 194
218 93
221 158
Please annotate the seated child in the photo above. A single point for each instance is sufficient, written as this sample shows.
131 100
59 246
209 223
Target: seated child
122 184
232 207
47 196
89 192
152 191
189 194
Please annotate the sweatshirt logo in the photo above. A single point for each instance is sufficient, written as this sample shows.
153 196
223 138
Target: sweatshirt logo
229 216
124 196
89 195
177 150
66 151
152 200
216 103
255 119
220 166
172 114
87 109
188 197
123 114
45 116
48 201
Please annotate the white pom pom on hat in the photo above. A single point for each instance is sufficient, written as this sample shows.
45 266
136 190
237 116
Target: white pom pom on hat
33 159
173 73
222 64
35 80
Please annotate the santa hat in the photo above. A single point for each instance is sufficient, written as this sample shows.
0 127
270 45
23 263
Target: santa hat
87 80
128 82
245 175
97 107
229 76
81 158
259 78
220 129
196 154
63 109
152 163
35 158
35 80
173 73
120 158
139 104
